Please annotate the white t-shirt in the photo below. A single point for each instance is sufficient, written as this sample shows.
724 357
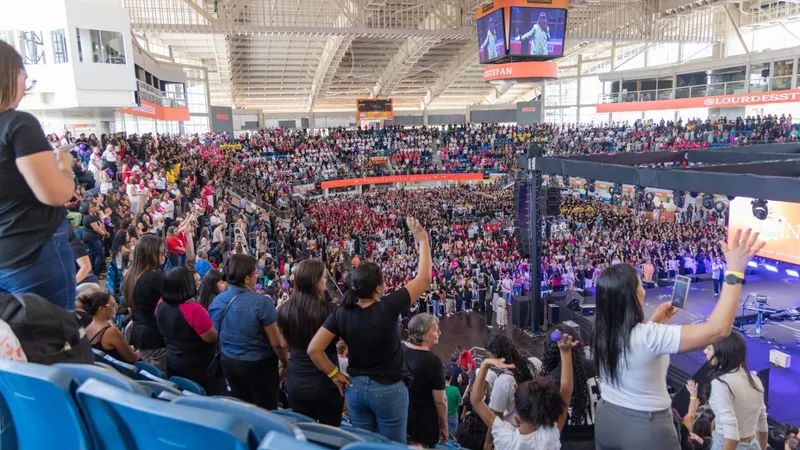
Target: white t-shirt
502 399
506 437
643 377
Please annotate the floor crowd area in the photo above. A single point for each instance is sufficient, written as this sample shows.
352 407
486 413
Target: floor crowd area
194 282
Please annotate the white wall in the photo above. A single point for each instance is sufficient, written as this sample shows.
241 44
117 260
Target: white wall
163 71
79 120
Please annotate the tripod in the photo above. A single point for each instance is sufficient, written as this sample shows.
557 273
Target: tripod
760 307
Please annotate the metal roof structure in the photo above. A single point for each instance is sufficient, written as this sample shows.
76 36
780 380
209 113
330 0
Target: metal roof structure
320 55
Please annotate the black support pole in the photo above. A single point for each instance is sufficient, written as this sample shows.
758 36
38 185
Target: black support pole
536 238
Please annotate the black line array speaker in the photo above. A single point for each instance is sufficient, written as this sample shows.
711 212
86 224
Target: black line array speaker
553 202
522 218
520 313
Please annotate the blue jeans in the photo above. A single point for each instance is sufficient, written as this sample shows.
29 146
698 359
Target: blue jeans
51 276
98 256
516 291
717 443
435 304
381 408
452 423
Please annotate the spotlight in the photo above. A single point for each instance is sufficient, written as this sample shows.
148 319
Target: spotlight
708 201
752 264
760 210
719 206
693 194
731 197
771 268
792 273
649 196
589 186
616 189
678 199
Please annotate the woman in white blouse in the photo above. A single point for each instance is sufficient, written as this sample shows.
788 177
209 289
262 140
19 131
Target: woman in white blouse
737 397
632 354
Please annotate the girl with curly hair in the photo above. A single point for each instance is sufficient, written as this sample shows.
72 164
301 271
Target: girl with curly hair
580 412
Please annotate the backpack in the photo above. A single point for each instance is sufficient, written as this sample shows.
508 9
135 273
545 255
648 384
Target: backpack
47 333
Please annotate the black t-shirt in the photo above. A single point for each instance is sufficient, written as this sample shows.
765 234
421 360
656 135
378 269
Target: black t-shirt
147 291
428 373
25 222
372 335
89 235
78 252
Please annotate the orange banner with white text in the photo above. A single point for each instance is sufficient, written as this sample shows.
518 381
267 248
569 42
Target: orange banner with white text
158 112
520 71
717 101
402 179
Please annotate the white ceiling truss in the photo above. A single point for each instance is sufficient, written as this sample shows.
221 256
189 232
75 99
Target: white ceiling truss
312 55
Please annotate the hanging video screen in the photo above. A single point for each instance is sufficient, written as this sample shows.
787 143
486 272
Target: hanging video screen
537 32
491 37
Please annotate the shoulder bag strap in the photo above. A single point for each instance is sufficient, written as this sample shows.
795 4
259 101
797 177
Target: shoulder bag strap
225 312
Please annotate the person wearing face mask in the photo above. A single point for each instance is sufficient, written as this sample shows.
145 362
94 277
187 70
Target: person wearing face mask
35 254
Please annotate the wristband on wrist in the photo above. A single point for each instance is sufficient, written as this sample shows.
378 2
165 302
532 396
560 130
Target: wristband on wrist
693 398
731 272
333 372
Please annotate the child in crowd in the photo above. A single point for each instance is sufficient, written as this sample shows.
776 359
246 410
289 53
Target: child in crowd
542 407
453 396
500 311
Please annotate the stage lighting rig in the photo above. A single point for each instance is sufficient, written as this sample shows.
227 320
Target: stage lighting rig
616 189
678 198
649 196
589 186
719 206
760 210
708 201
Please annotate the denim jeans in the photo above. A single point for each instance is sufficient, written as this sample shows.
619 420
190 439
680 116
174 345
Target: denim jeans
717 443
452 423
51 276
517 291
435 304
98 256
381 408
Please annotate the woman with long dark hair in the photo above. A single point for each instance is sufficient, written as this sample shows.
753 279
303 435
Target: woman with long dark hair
188 331
309 391
580 411
248 334
499 346
142 288
212 285
632 355
35 253
376 392
736 397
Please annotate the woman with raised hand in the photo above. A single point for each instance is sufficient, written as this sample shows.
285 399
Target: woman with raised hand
376 392
632 355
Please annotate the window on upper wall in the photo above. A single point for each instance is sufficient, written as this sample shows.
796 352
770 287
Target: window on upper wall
31 47
105 47
59 38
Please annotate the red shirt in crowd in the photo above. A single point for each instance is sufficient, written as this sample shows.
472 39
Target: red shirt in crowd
175 245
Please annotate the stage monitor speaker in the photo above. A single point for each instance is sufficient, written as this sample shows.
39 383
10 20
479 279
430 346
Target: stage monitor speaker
520 312
552 313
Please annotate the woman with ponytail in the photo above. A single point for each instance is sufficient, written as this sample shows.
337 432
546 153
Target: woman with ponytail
376 392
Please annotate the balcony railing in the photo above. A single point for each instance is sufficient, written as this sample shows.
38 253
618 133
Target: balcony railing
153 95
707 90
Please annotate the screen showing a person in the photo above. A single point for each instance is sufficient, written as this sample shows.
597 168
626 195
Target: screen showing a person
780 229
681 291
537 31
491 37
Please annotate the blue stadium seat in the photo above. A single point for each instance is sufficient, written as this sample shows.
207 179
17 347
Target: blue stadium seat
293 417
158 388
374 446
328 436
188 385
99 355
149 368
147 376
121 420
40 401
261 421
129 370
280 441
82 372
368 436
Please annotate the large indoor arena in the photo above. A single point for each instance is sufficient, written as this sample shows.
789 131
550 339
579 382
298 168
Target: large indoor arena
388 224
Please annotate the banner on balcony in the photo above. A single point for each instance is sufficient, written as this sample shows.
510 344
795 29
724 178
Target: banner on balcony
158 112
717 101
378 161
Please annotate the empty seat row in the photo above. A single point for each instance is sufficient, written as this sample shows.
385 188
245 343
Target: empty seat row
69 406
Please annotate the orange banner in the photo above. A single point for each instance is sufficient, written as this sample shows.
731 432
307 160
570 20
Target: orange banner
780 231
521 71
402 179
375 108
717 101
378 161
153 111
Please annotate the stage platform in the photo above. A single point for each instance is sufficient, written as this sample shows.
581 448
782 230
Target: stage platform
783 292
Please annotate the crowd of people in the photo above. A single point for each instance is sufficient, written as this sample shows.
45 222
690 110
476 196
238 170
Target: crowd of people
239 300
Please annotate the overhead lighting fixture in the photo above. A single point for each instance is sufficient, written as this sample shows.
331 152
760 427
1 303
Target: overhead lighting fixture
793 273
752 264
708 201
760 210
771 268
